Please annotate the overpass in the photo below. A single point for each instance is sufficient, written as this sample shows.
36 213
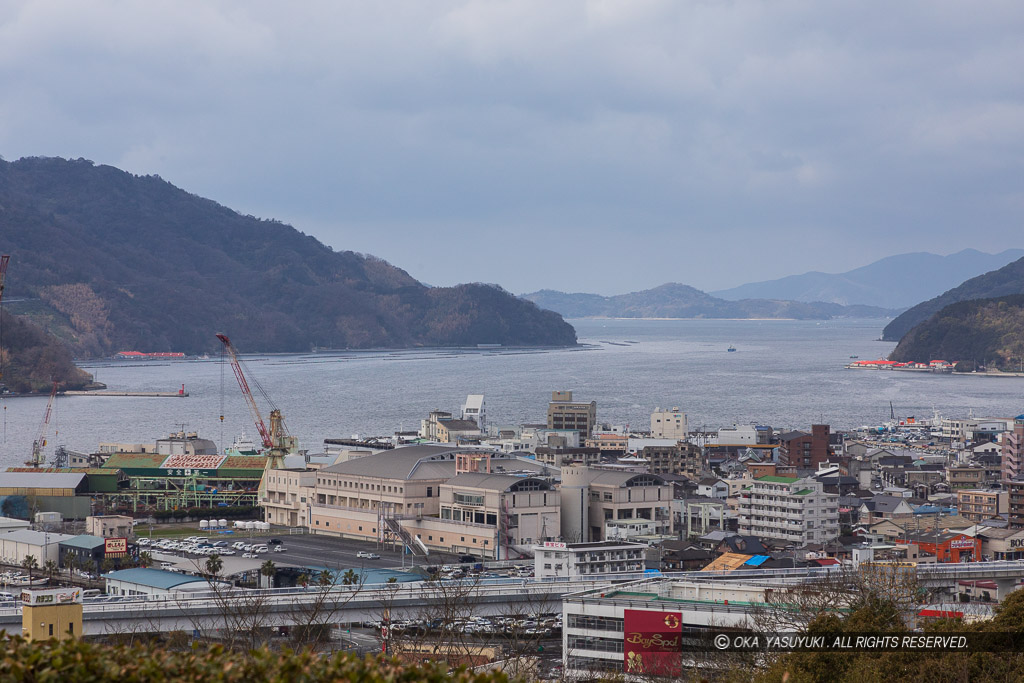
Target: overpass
238 608
488 597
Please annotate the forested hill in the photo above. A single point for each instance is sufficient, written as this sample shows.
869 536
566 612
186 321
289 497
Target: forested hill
987 332
33 359
1005 281
110 261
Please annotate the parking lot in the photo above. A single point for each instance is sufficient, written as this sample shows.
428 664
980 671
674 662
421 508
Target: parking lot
307 550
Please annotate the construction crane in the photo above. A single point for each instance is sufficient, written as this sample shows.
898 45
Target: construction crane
276 442
40 442
4 259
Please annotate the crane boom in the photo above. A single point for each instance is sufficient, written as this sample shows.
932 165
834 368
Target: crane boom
246 392
40 442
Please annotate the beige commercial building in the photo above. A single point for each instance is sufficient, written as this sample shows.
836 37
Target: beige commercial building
400 493
668 424
592 496
564 413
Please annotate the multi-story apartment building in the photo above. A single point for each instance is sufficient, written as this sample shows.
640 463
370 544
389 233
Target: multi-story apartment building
971 476
564 413
1013 450
981 504
668 424
608 443
804 450
583 559
788 509
681 458
1015 503
590 497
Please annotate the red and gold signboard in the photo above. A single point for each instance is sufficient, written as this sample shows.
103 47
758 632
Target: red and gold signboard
653 642
114 547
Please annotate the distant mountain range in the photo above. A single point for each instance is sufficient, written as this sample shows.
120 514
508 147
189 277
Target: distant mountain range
682 301
108 261
892 282
1005 281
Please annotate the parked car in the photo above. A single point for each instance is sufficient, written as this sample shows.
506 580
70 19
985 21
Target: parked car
275 541
250 555
366 555
279 548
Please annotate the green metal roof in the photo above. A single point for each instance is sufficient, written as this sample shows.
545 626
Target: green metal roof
84 541
779 480
803 492
134 461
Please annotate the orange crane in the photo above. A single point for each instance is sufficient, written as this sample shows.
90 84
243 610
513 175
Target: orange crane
40 442
276 442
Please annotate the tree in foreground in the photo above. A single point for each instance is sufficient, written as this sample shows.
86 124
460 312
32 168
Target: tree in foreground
84 662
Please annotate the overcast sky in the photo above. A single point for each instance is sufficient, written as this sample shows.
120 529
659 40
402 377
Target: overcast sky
584 146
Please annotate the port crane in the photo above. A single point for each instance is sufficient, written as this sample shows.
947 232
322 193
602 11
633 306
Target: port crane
276 441
40 442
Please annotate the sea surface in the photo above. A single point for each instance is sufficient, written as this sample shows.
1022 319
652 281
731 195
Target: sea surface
784 373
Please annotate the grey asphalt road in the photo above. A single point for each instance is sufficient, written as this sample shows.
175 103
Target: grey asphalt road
331 552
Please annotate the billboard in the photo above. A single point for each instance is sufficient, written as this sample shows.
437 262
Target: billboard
653 642
59 596
113 547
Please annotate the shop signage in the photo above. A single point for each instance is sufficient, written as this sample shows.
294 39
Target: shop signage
653 643
962 543
115 546
553 544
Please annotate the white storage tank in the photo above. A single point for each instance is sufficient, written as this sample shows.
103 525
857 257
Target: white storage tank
264 526
222 523
204 524
239 525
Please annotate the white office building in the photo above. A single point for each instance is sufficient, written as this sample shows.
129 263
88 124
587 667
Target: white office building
583 559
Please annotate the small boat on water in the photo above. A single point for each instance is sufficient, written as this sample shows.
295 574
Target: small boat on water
731 348
854 356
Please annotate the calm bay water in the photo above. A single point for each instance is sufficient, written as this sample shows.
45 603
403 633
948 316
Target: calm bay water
784 373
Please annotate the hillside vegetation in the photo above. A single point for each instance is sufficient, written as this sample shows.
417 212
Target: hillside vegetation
109 261
674 300
1005 281
982 332
33 359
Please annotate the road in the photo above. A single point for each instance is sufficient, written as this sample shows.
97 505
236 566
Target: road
336 553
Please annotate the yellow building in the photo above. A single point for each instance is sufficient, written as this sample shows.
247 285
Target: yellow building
51 613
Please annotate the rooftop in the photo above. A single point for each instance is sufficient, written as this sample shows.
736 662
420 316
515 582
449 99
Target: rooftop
153 578
84 541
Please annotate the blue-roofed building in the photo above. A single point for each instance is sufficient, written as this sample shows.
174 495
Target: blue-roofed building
154 582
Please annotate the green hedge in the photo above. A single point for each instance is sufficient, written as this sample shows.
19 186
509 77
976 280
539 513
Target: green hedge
83 662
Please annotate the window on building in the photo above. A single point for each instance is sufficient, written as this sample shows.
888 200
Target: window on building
430 492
